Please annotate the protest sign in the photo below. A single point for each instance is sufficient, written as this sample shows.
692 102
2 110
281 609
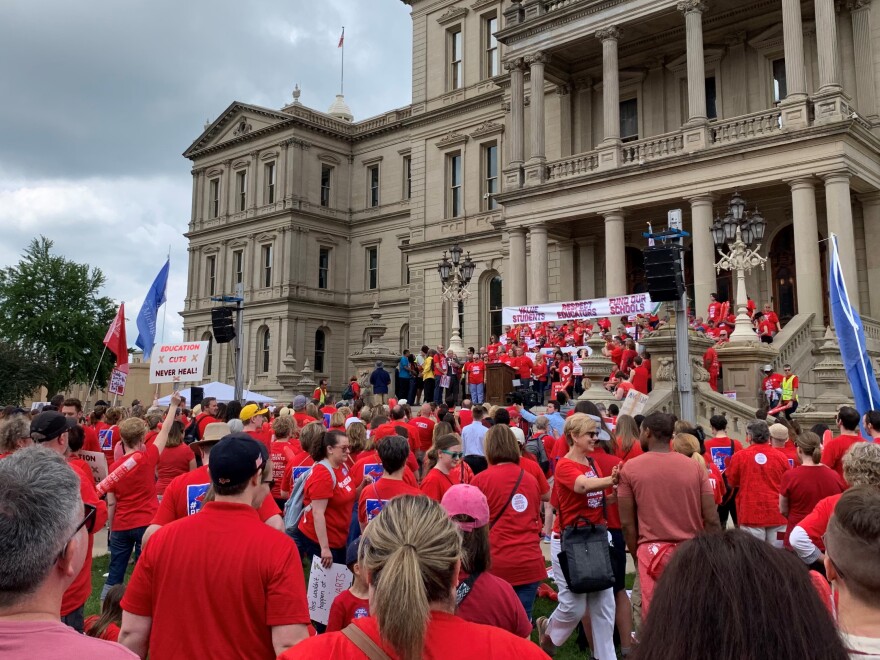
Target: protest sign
555 389
98 462
634 403
178 363
639 303
117 382
324 585
730 395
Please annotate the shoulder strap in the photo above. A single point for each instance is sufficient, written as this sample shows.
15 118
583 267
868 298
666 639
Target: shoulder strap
330 470
506 504
364 642
604 503
464 589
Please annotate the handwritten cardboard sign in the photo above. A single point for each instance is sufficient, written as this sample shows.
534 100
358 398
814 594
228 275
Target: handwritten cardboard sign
324 585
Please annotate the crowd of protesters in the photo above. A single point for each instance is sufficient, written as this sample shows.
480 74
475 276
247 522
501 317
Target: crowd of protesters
443 514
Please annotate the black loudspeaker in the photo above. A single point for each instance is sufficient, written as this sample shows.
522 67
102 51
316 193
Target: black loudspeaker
221 322
663 273
196 394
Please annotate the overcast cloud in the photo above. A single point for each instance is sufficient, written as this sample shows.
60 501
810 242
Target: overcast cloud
101 98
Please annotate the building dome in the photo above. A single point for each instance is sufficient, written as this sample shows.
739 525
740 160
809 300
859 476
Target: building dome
340 109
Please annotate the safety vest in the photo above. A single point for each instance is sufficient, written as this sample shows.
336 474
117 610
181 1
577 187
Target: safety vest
787 389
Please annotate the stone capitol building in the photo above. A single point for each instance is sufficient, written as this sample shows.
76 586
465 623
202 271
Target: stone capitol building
543 136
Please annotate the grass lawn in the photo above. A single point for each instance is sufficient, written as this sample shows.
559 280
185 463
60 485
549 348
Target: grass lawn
99 568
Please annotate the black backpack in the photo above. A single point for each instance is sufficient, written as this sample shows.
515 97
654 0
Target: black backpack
348 394
191 434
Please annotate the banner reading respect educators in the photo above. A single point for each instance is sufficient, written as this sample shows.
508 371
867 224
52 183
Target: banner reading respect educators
639 303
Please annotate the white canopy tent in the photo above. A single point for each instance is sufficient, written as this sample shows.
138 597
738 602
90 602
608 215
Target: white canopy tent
222 392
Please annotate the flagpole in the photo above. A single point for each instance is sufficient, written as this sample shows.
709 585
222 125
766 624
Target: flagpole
342 66
95 377
165 304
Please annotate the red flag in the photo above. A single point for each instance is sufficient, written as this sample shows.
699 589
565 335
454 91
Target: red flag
115 340
341 38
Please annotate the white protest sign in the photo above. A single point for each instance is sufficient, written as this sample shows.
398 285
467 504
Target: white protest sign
634 403
117 382
639 303
325 584
178 363
98 462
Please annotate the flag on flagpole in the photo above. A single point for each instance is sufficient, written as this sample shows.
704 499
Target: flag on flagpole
341 38
115 339
146 320
851 336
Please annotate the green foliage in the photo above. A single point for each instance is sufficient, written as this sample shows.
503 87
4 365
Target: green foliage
52 307
22 373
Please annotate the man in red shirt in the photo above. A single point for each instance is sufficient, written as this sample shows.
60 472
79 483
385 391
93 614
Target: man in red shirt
256 602
640 375
714 312
771 385
757 471
476 375
648 484
299 411
772 318
425 426
253 418
210 407
834 449
523 365
72 409
719 449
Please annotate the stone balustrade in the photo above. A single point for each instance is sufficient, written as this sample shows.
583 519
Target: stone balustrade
653 148
747 127
573 166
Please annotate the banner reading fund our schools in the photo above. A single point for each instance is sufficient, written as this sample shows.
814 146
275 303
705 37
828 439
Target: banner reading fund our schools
177 363
639 303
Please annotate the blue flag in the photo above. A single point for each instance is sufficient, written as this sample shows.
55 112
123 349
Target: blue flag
146 320
851 336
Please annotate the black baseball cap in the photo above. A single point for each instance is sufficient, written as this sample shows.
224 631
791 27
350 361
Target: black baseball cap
235 459
48 426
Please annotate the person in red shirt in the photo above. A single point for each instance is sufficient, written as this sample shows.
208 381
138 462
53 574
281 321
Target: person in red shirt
714 311
425 426
209 414
757 471
411 612
72 409
834 450
281 451
390 483
444 459
476 377
106 626
616 352
540 377
719 448
626 442
779 440
353 603
132 501
771 385
640 375
177 459
299 411
766 329
253 417
261 586
771 317
523 365
713 366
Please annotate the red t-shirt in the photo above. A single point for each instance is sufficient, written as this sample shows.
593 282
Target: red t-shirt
79 590
539 371
185 496
493 602
346 608
716 480
606 463
523 364
626 360
435 484
766 328
560 449
108 438
261 585
514 540
529 462
174 461
571 505
834 449
757 471
815 524
111 633
718 451
466 417
426 431
135 493
376 495
302 419
805 488
617 355
476 372
641 378
261 436
790 453
203 420
90 441
280 451
447 636
299 464
771 382
654 480
319 486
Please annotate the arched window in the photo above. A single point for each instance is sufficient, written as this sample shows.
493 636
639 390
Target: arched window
265 346
320 350
404 337
209 355
496 304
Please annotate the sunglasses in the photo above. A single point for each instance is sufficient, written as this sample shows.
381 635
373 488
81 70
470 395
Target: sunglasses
592 434
456 455
88 522
345 448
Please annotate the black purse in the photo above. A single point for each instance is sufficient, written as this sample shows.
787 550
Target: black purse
585 556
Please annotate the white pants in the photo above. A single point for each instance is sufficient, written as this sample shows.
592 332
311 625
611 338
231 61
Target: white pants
572 607
771 535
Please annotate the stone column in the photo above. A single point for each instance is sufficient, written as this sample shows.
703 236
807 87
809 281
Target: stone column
793 36
517 276
195 196
538 290
696 68
615 254
839 209
535 171
826 39
281 177
200 194
253 190
225 186
565 249
806 247
566 134
860 11
871 213
513 175
586 268
609 149
703 251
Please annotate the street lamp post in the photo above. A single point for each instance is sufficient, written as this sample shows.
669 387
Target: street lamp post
738 231
455 276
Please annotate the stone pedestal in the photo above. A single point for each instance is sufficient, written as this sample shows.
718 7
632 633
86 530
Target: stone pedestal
794 114
742 363
610 156
830 107
288 377
832 386
364 360
306 383
696 138
596 368
535 172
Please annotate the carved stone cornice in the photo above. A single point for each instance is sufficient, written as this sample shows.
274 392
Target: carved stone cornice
480 4
688 6
609 33
452 14
487 128
451 140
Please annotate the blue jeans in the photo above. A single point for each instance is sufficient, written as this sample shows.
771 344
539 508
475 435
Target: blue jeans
526 594
121 544
478 391
309 548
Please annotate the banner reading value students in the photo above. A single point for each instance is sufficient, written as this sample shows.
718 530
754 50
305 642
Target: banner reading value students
178 363
639 303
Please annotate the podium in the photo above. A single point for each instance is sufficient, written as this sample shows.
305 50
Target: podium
499 383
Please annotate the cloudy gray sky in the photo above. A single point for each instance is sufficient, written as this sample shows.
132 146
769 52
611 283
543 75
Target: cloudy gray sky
101 98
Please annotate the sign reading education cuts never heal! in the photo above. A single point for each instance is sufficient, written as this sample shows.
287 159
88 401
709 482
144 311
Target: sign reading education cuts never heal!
178 363
639 303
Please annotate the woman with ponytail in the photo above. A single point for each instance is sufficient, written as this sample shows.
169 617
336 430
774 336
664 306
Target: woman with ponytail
688 445
801 489
411 554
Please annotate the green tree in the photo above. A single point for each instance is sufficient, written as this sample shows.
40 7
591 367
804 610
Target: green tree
23 372
53 307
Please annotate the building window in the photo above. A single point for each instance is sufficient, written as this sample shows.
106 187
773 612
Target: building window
209 354
454 176
267 265
238 266
404 264
490 173
373 186
629 120
270 183
407 177
373 267
326 178
320 350
456 68
404 337
212 274
265 343
711 98
493 62
324 268
241 190
215 197
496 306
780 83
